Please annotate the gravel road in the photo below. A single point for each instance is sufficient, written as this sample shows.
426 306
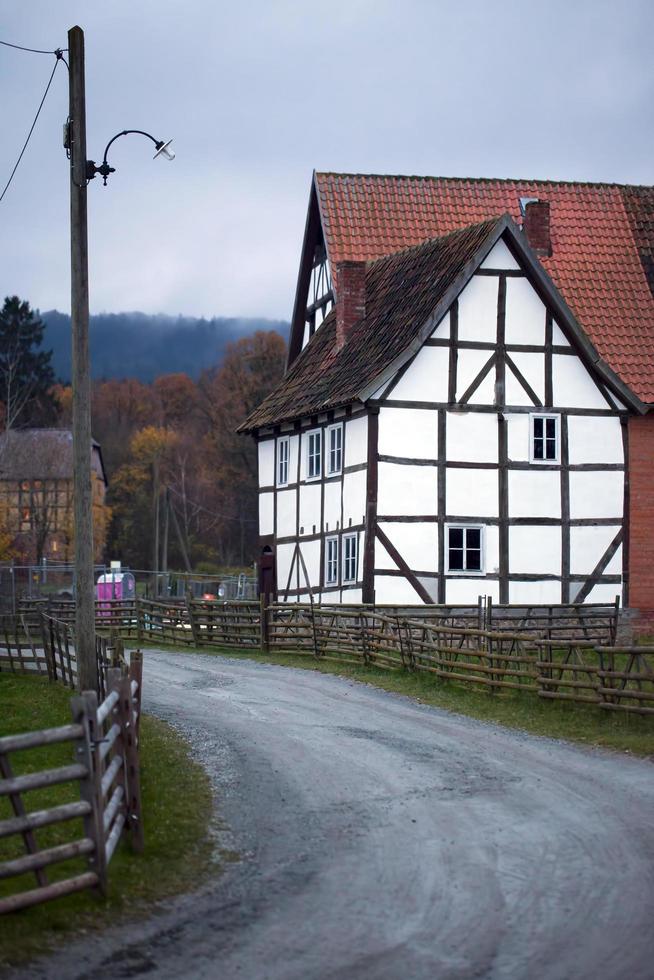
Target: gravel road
380 838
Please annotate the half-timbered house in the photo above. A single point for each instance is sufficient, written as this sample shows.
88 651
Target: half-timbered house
465 409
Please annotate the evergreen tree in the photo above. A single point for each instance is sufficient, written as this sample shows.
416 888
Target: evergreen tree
26 374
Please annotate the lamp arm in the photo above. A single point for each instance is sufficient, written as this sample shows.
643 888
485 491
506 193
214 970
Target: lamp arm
126 132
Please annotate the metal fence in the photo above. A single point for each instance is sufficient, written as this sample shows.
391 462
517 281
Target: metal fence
51 580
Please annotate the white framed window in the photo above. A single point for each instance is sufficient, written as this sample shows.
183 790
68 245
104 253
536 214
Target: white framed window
350 557
331 561
464 549
283 452
544 438
314 454
334 449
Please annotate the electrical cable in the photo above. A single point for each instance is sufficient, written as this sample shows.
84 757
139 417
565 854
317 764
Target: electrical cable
38 111
19 47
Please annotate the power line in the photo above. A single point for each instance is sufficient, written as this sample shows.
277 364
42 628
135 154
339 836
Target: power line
38 111
19 47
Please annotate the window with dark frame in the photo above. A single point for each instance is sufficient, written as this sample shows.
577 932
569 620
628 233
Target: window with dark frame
464 549
314 456
544 438
331 561
283 446
335 449
350 557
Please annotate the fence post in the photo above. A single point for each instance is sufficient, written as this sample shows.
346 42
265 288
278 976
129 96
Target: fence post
139 630
263 623
613 629
189 612
87 752
132 780
136 674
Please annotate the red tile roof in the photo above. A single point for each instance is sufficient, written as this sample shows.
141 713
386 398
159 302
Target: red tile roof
602 240
402 291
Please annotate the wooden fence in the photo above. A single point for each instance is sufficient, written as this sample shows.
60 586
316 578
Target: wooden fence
554 667
106 769
198 623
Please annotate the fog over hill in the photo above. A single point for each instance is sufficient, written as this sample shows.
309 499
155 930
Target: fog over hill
139 345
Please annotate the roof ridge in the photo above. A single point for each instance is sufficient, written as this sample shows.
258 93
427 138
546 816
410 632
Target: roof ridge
488 180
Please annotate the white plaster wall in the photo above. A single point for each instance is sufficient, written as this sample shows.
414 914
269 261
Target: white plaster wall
525 313
354 498
558 337
442 330
382 557
284 559
305 336
604 592
469 365
535 593
471 437
478 310
534 550
310 507
266 513
356 441
352 595
588 544
471 492
266 462
572 385
406 489
499 257
332 514
426 379
594 440
517 431
417 543
467 590
408 432
491 550
286 512
393 589
293 449
311 554
532 368
534 493
595 494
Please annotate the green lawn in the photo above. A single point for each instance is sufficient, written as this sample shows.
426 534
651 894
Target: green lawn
177 817
525 711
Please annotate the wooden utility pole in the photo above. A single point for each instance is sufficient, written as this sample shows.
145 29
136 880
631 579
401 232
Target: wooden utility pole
87 672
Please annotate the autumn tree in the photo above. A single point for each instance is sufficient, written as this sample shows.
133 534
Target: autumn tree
136 496
26 374
250 370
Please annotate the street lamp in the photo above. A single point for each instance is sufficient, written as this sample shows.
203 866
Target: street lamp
81 172
162 147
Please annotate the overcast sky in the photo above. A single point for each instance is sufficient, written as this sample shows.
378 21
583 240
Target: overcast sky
258 94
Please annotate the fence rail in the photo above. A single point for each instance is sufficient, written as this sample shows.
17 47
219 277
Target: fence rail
106 769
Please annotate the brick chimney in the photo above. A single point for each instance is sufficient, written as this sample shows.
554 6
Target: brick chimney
350 298
536 226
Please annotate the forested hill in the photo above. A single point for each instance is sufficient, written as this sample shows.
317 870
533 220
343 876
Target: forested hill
137 345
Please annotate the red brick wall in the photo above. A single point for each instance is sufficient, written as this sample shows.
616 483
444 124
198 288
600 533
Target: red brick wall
536 226
641 515
350 282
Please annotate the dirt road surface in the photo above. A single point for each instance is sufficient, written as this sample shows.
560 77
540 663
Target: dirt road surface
380 838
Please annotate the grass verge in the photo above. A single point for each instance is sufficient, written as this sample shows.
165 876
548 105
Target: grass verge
177 816
514 709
